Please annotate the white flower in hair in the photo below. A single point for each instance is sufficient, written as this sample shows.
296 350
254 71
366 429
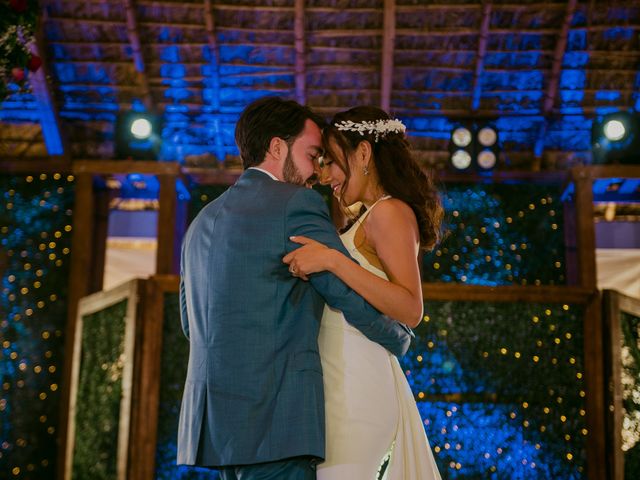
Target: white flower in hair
379 128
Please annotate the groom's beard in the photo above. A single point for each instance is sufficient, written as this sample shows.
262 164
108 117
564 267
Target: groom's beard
290 172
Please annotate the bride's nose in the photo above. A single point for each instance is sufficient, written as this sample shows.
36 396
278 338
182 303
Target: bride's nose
324 175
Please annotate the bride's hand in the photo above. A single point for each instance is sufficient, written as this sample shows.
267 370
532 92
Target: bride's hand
312 257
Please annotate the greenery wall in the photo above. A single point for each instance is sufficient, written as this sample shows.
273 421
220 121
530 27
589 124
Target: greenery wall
630 357
500 234
100 388
35 240
500 388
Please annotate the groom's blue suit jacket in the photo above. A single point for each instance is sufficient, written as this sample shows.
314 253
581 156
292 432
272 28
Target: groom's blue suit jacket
254 390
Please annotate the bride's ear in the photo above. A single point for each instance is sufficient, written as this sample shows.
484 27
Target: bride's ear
363 153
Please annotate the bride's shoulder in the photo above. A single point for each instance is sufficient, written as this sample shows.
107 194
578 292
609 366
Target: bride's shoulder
392 210
391 217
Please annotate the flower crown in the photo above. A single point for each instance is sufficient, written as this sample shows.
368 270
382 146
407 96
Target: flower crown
379 128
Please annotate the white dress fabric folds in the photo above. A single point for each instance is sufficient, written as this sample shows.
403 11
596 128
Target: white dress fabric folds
374 430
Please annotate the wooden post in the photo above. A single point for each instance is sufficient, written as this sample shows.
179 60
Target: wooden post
611 323
166 224
594 385
81 253
144 433
585 228
99 237
593 347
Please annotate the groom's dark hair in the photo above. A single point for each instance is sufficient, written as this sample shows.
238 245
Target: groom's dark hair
265 119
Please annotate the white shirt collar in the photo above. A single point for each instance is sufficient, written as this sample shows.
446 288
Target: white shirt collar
264 171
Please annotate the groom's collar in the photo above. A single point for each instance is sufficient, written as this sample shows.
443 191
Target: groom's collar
265 172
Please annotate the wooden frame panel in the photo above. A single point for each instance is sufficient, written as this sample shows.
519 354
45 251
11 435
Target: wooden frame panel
615 303
87 306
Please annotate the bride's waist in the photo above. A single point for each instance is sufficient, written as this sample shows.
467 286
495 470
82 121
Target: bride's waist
334 319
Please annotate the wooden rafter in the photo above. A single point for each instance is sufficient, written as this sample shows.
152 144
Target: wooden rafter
134 40
300 64
560 49
482 51
213 52
53 135
554 79
214 61
388 43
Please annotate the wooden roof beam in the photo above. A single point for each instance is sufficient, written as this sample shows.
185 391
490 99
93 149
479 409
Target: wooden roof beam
559 52
214 60
482 51
300 64
54 138
134 40
554 80
388 44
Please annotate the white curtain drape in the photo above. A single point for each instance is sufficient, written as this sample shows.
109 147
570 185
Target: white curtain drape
619 269
128 258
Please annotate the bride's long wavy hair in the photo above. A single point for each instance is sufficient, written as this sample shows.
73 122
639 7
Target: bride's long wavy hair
399 174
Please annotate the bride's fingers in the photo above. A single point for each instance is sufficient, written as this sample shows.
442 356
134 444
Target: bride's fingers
302 240
288 258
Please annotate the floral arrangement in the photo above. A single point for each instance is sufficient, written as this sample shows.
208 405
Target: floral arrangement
17 28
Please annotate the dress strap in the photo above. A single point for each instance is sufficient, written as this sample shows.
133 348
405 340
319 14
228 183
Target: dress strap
364 215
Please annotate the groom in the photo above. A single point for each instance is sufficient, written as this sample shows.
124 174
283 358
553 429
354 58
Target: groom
253 403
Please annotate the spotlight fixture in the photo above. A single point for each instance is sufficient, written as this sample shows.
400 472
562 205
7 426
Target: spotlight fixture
487 136
615 138
461 159
141 128
474 143
614 130
487 159
461 137
137 136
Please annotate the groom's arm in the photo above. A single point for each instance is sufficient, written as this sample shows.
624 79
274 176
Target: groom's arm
307 215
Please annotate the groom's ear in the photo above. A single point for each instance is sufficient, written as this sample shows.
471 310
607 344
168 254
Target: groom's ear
276 147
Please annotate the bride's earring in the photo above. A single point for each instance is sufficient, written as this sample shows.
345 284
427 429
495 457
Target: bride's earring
365 170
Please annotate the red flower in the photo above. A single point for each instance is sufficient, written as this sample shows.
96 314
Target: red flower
34 63
18 5
18 74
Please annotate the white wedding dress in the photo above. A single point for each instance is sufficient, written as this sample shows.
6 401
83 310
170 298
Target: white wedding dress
373 427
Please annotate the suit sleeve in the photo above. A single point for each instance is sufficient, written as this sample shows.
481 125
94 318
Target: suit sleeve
184 320
307 215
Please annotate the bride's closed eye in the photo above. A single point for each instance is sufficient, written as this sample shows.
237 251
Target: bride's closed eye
324 161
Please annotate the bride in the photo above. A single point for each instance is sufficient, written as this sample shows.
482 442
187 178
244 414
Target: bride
373 428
